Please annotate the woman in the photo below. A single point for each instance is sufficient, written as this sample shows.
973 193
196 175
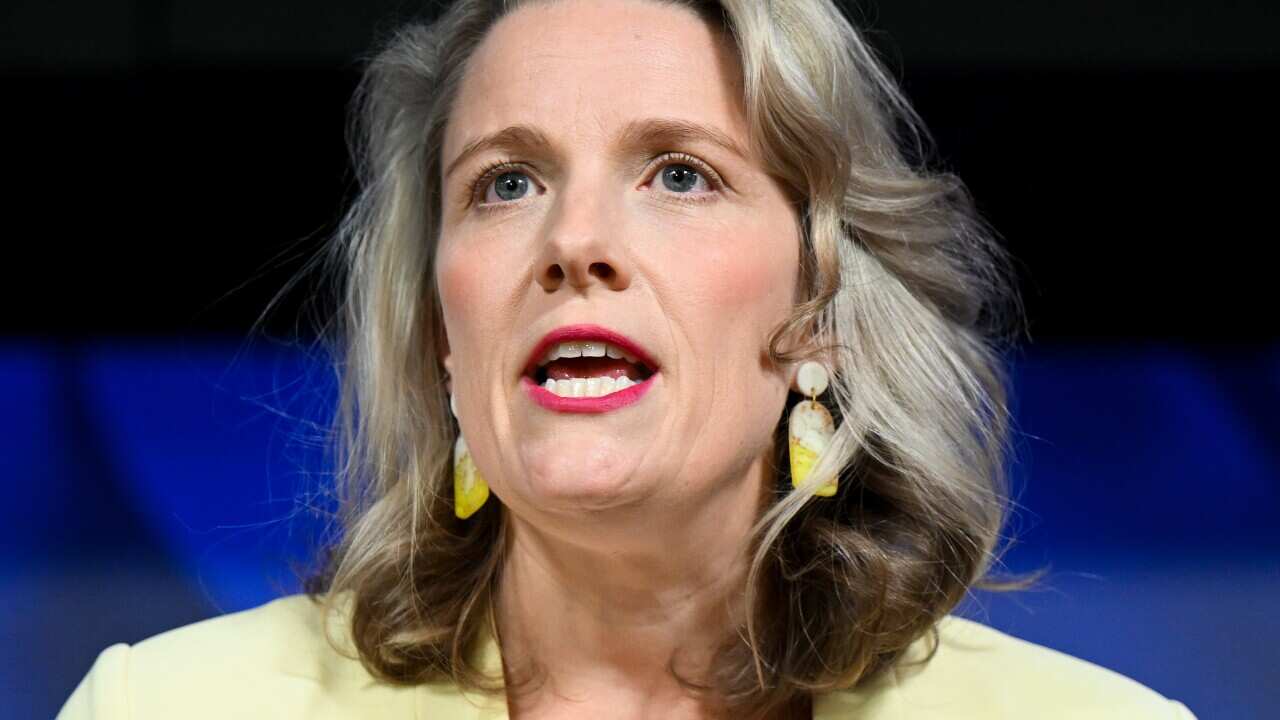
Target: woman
723 359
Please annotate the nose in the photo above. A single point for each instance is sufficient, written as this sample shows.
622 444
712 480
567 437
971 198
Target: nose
582 247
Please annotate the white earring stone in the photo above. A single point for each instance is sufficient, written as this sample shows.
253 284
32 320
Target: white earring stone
812 378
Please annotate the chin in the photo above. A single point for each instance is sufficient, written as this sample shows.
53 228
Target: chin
576 482
594 471
583 491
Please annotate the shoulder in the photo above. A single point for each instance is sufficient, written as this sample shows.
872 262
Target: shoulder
273 661
981 672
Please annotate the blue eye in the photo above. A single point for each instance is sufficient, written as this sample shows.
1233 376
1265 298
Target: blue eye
511 185
508 182
679 177
680 174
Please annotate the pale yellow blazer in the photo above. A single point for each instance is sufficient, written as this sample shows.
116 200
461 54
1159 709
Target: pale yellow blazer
273 663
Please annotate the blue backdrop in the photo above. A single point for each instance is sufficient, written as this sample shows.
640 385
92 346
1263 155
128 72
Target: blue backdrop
155 483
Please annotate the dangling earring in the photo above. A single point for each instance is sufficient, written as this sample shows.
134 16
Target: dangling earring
810 427
469 489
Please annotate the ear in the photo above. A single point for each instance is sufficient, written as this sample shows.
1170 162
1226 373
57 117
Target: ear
446 359
793 372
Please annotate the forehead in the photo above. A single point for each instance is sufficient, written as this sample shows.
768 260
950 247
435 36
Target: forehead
584 68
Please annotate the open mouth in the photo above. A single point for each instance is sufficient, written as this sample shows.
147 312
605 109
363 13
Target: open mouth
588 368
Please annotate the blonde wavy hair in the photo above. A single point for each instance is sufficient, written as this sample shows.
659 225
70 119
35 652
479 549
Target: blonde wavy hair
907 296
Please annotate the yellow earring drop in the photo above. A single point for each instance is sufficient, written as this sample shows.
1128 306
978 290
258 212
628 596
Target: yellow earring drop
469 489
810 427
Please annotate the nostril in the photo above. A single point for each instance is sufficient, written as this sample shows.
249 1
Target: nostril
555 272
601 270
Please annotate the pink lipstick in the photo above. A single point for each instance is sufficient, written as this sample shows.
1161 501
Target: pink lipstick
643 370
604 403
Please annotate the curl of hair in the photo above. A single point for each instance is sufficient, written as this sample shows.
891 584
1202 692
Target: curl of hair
905 294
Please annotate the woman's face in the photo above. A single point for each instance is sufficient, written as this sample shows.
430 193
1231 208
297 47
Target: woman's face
602 225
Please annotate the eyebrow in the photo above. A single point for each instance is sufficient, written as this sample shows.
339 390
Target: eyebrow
643 133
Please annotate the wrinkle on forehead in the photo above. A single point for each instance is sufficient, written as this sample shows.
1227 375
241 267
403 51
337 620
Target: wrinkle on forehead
544 45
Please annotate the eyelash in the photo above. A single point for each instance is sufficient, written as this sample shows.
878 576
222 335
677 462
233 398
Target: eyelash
481 182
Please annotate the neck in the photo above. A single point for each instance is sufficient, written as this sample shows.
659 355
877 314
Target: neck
603 604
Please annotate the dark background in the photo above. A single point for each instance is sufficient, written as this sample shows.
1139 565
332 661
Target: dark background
171 165
171 162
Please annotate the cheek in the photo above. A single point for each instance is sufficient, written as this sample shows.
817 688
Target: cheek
757 280
478 281
454 280
453 286
478 265
464 282
467 279
748 276
731 290
752 289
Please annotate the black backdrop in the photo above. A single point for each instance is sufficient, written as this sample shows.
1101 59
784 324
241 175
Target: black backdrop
170 164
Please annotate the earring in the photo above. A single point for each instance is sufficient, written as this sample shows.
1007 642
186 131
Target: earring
469 489
810 427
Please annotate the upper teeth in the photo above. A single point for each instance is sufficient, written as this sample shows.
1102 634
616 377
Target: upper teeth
585 348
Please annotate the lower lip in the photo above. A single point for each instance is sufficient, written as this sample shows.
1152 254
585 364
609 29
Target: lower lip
604 403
